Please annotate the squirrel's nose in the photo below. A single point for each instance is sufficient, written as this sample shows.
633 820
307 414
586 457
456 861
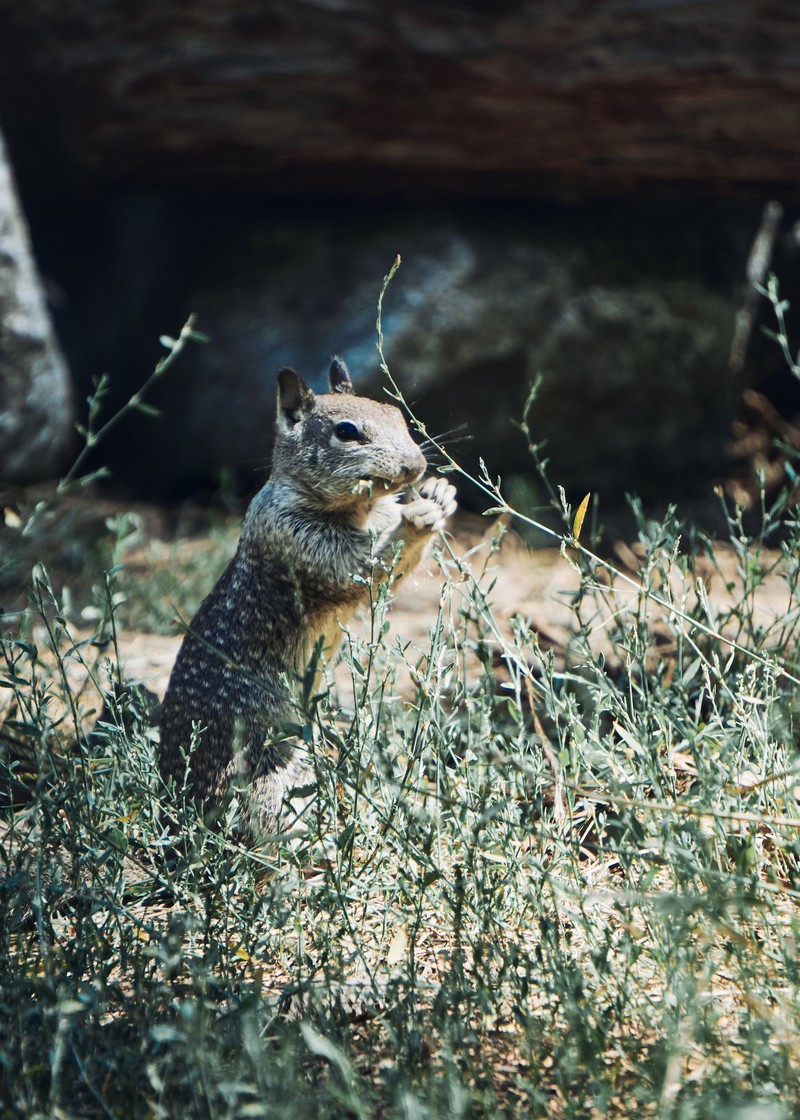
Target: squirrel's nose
413 469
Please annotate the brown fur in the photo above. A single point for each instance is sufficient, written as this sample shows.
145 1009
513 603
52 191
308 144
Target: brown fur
326 525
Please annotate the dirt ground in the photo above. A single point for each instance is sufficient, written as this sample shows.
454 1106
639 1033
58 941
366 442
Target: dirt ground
188 544
537 584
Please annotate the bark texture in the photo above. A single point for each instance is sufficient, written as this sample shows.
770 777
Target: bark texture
35 396
449 94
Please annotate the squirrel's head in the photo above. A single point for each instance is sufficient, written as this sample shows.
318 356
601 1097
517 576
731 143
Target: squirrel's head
340 449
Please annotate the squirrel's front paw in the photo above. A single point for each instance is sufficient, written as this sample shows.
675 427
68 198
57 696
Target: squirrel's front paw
429 512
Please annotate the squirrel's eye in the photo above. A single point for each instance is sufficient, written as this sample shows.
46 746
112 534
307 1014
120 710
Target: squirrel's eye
346 430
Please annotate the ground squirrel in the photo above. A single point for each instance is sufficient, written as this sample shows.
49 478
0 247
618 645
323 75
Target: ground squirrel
325 528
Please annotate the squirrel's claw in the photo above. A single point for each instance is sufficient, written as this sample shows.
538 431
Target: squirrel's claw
429 512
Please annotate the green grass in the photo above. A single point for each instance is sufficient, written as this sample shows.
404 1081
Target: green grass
164 560
532 882
543 884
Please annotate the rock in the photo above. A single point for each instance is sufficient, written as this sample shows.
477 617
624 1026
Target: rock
638 397
36 413
636 393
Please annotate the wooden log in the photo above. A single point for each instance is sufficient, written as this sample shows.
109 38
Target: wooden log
317 95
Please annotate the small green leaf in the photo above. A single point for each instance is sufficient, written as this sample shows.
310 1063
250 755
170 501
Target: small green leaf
303 791
580 513
117 839
321 1046
345 838
147 409
164 1033
71 1007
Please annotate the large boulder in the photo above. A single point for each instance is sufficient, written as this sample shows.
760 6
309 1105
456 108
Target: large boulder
36 413
636 392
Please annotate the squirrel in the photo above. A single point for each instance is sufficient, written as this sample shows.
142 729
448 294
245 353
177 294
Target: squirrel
325 529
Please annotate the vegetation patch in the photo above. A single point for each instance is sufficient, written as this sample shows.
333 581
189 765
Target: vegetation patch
556 881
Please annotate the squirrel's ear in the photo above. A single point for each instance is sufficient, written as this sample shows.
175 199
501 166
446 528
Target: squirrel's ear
339 377
294 398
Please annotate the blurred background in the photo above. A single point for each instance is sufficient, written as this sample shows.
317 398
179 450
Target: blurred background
577 190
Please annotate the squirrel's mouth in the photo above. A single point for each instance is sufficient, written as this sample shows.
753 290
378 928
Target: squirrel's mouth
376 481
372 487
406 477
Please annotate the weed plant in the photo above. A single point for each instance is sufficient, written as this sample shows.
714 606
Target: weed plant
531 882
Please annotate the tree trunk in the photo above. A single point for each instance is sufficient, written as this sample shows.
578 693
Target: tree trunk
35 398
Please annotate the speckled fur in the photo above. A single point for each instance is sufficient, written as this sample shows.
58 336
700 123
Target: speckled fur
327 522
